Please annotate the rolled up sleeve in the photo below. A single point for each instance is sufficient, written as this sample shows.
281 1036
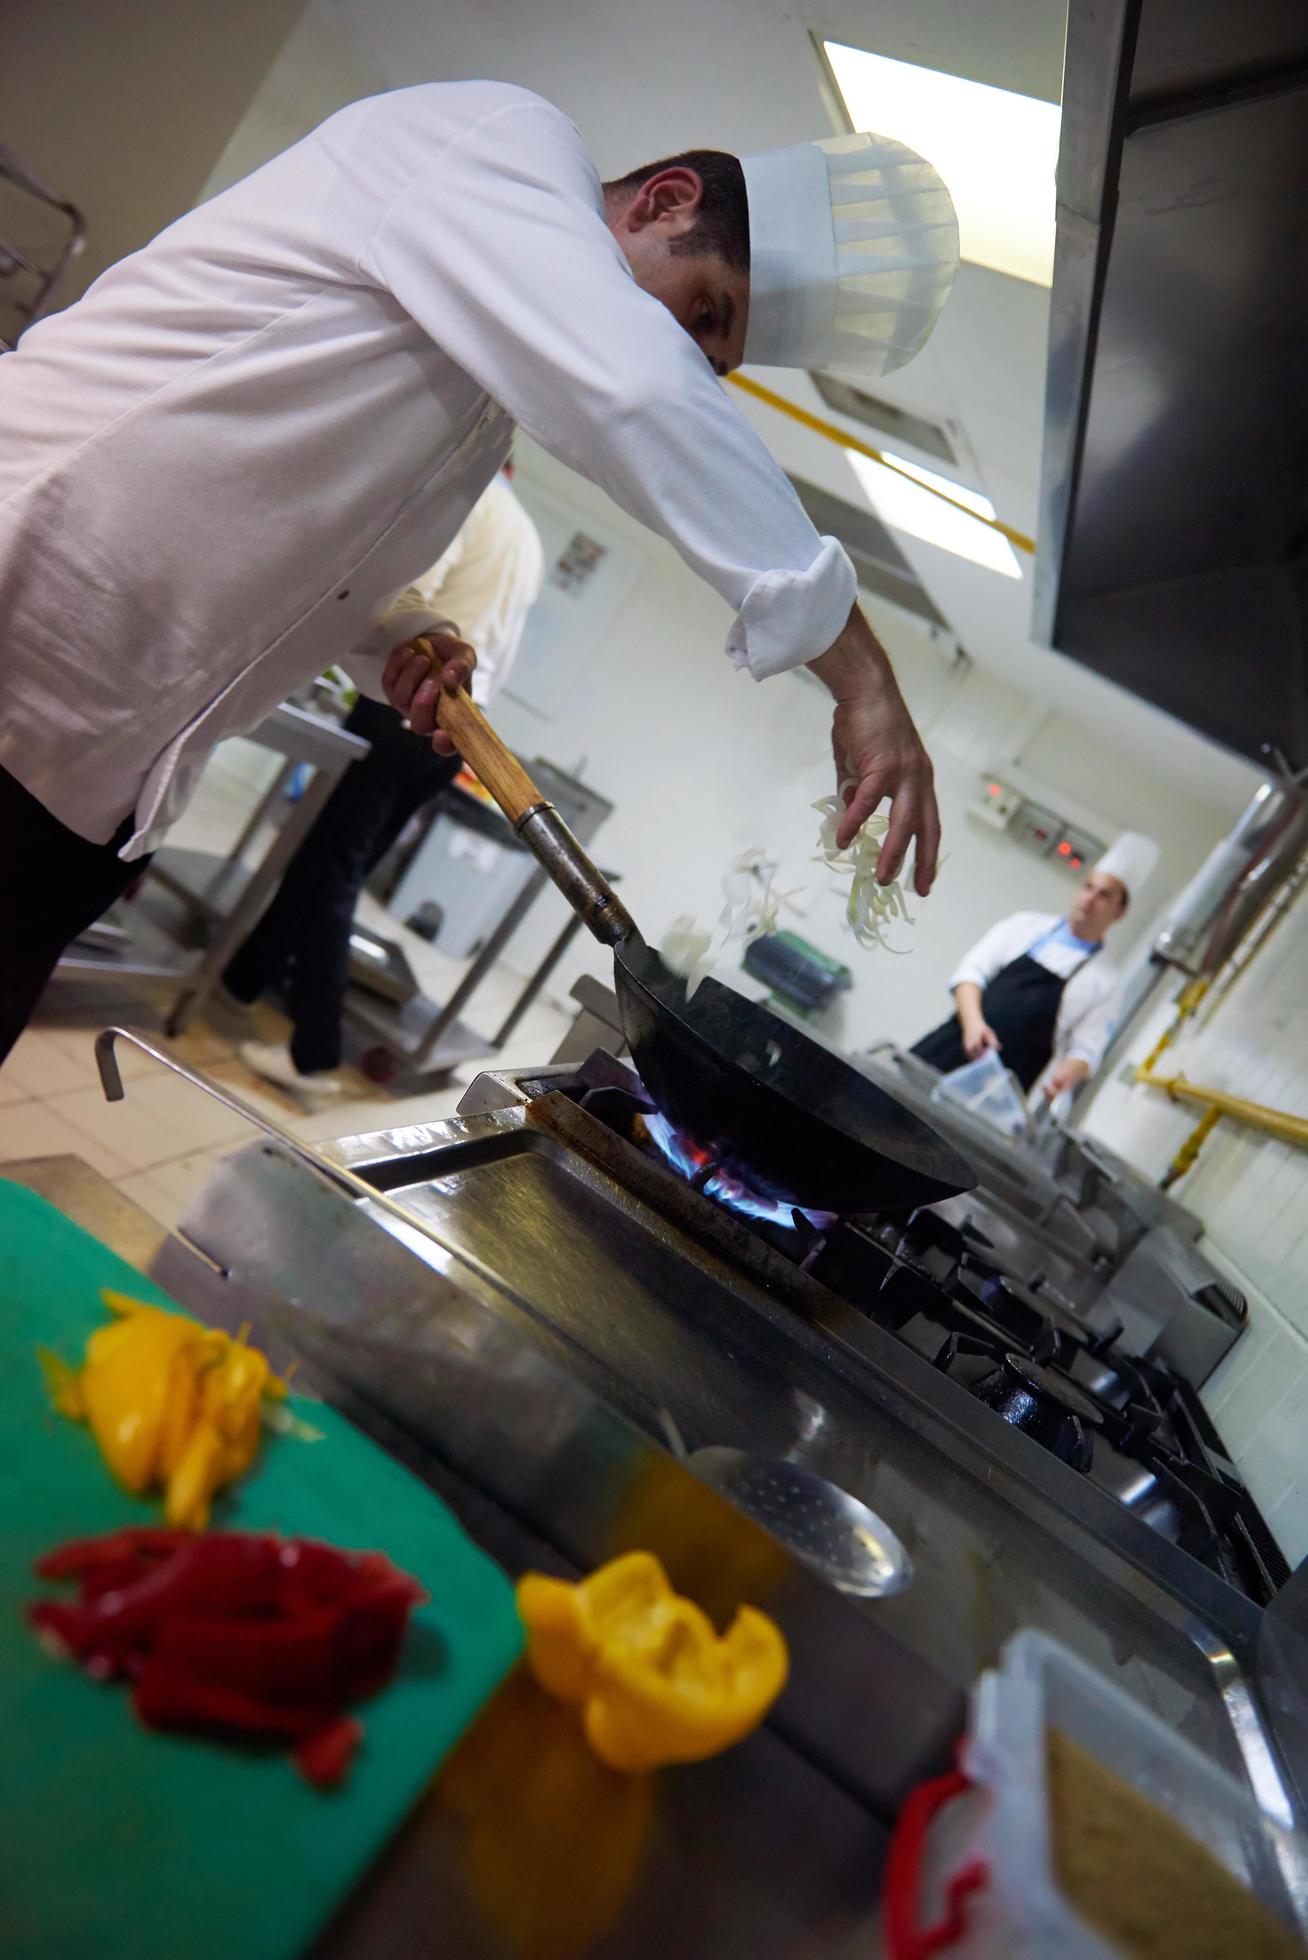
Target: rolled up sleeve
1085 1030
790 617
498 248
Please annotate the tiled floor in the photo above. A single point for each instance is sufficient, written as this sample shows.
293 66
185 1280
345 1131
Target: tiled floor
161 1142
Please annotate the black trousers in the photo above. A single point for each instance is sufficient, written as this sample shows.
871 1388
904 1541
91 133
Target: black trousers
301 945
53 884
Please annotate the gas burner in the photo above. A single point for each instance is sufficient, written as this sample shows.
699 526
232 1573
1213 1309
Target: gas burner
1046 1405
718 1181
1007 1316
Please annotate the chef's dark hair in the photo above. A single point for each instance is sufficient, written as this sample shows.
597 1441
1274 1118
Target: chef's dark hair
723 223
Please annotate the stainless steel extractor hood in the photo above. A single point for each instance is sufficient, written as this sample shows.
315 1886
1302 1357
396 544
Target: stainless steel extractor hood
1173 548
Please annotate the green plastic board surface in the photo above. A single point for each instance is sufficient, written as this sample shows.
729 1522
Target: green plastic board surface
117 1841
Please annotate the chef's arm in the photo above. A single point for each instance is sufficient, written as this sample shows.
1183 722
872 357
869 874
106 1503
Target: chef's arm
498 248
1086 1027
1070 1073
967 983
977 1034
877 747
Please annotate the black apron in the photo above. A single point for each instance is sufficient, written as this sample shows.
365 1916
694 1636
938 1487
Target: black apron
1021 1004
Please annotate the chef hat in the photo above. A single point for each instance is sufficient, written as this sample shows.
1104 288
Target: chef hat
1132 859
853 247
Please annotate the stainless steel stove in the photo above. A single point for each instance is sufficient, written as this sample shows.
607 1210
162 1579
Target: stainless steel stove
1038 1469
1078 1368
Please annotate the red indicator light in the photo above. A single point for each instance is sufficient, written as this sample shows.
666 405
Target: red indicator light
1065 849
996 789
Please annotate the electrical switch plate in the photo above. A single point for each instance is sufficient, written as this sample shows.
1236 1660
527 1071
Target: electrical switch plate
997 802
1076 850
1039 829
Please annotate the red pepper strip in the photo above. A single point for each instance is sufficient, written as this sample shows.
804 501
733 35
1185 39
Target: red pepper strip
204 1575
324 1760
165 1700
322 1656
137 1546
270 1637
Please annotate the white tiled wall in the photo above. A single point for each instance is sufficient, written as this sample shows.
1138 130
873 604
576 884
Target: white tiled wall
1252 1193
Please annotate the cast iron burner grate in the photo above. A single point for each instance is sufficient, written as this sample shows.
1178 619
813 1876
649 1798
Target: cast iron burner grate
1131 1426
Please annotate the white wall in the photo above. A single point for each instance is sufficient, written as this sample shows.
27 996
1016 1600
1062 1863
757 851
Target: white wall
1252 1193
316 73
123 108
700 762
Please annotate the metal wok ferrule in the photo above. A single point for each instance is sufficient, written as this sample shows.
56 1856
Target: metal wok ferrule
548 838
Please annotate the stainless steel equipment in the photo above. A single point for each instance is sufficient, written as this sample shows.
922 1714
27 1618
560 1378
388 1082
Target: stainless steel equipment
1065 1215
837 1537
1167 563
535 1257
220 892
1240 876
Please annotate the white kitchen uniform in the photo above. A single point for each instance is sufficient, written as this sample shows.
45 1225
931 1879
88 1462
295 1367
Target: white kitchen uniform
483 586
1090 1000
219 464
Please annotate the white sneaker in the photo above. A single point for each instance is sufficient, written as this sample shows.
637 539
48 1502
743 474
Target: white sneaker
272 1060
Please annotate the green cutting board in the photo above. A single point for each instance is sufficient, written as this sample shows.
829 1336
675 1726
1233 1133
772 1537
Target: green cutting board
115 1840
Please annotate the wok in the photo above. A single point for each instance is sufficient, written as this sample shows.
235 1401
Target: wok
771 1104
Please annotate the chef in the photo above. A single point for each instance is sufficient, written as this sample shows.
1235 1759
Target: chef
1036 987
484 585
217 465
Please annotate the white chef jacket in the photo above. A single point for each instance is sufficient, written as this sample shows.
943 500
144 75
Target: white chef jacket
483 587
217 465
1091 999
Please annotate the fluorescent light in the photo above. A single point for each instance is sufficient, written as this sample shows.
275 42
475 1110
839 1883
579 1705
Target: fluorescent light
905 507
996 151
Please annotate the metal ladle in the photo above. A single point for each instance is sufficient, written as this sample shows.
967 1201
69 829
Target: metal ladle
837 1535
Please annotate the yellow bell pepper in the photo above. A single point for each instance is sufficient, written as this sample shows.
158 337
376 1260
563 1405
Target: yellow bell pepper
170 1403
656 1682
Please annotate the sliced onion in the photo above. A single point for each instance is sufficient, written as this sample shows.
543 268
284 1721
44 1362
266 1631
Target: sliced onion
869 906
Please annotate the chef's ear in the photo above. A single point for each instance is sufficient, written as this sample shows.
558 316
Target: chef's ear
672 199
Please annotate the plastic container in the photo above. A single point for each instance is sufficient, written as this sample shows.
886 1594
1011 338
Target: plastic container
973 1851
986 1089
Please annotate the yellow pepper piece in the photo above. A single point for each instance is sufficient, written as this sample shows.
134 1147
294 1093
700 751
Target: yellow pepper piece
124 1389
194 1481
169 1403
656 1682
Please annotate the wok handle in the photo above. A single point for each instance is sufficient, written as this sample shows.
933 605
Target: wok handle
480 747
535 821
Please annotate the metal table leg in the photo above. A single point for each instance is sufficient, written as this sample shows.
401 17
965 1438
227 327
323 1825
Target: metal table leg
537 981
243 915
267 802
480 967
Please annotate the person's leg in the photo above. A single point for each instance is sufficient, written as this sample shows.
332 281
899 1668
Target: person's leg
53 884
329 869
397 776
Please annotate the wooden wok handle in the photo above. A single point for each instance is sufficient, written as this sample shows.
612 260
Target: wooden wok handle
535 820
484 752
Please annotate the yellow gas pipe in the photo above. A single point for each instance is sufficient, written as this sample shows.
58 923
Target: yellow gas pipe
841 437
1280 1123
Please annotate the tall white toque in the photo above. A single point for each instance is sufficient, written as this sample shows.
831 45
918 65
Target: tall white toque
853 249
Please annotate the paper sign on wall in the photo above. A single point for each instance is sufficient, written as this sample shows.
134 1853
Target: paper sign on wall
591 570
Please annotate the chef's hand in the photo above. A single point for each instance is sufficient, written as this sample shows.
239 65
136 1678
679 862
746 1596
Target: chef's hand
874 741
1068 1074
416 673
978 1038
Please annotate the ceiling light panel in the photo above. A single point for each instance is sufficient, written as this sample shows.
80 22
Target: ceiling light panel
909 504
996 151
